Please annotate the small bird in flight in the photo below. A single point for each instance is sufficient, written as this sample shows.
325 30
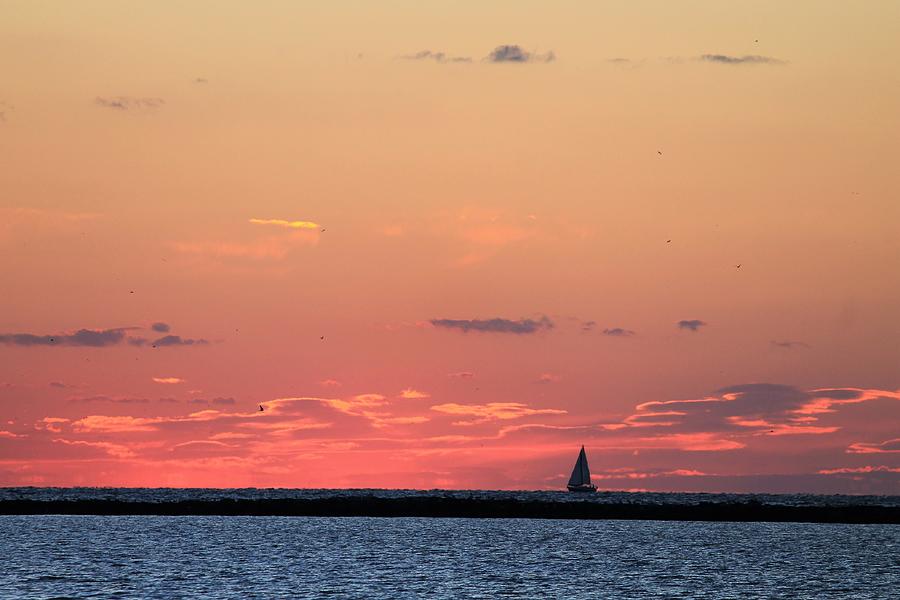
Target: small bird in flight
659 152
737 266
321 337
261 408
668 241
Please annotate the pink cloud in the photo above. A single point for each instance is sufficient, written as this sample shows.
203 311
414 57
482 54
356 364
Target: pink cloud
491 411
885 447
116 450
867 469
103 423
53 424
629 473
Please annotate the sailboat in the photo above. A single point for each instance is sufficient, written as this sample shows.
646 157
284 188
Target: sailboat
580 481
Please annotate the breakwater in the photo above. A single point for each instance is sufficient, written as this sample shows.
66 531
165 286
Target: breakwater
466 507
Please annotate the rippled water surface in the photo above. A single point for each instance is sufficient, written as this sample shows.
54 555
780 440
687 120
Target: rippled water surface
176 494
268 557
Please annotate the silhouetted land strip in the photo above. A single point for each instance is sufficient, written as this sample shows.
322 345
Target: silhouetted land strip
424 506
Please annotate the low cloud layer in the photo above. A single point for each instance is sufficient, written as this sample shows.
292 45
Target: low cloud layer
496 325
762 427
513 53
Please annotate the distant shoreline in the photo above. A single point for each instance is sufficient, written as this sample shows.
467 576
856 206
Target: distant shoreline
479 508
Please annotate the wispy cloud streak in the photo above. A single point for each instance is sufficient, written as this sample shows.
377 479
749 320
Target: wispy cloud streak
438 57
747 59
125 103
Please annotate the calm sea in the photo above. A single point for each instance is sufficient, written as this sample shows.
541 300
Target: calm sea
177 494
298 557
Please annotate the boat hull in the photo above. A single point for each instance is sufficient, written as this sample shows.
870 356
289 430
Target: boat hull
582 488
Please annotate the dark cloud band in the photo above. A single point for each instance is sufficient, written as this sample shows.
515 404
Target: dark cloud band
497 325
83 337
618 332
512 53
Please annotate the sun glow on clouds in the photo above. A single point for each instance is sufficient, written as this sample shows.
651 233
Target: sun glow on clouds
170 380
275 247
287 224
271 247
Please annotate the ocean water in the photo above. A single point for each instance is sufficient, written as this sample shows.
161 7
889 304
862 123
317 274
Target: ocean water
300 557
651 498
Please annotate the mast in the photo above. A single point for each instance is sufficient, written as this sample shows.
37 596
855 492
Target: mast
585 471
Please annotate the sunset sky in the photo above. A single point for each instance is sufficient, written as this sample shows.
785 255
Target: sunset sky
444 244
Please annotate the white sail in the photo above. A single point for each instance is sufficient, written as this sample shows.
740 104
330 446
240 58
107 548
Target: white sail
581 475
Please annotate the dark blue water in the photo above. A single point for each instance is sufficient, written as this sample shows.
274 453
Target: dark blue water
300 557
175 494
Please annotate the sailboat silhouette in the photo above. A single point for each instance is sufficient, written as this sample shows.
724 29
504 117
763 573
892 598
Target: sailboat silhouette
580 481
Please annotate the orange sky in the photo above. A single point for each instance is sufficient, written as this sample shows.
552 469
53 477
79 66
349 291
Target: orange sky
438 262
